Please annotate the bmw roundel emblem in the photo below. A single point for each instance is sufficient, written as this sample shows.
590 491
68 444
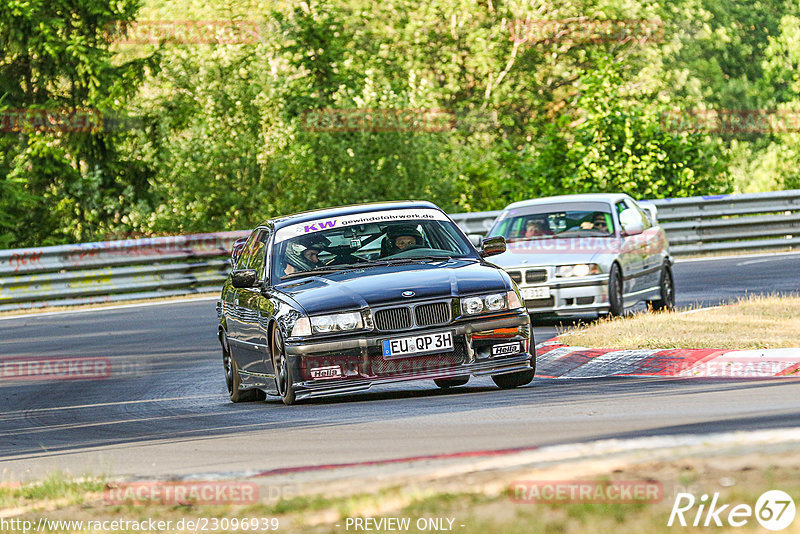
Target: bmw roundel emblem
408 293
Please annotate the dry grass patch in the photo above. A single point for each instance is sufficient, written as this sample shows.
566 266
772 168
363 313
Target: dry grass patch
755 322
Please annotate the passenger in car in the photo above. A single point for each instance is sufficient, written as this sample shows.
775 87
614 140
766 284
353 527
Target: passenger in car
536 227
400 238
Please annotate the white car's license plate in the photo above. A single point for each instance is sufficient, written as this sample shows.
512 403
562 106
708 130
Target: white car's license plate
403 346
530 293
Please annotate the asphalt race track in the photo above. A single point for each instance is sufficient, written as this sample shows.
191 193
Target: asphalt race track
164 409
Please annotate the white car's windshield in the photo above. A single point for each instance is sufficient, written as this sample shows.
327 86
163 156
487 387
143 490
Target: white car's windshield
356 244
555 220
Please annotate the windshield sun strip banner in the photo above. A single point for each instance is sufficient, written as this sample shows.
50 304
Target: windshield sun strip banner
310 227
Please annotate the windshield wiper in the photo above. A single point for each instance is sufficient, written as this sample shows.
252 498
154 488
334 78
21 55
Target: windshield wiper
532 238
419 258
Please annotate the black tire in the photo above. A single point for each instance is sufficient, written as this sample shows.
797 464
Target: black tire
234 380
513 380
284 379
616 305
667 284
451 382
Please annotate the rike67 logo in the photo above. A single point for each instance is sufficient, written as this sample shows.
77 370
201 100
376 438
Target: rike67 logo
774 510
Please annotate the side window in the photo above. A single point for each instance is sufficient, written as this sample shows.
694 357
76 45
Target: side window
247 251
258 257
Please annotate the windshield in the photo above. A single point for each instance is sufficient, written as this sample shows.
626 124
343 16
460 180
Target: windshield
353 242
555 220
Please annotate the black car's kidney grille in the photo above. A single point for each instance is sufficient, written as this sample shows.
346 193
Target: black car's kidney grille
431 314
393 319
515 276
534 276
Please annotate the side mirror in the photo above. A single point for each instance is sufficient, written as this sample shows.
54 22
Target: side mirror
493 246
475 239
631 222
244 278
236 250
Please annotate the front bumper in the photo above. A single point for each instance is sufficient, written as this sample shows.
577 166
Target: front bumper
567 296
361 364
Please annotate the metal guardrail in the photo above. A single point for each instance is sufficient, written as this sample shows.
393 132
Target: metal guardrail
111 271
164 266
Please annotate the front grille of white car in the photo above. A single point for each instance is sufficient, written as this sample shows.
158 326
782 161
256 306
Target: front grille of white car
535 276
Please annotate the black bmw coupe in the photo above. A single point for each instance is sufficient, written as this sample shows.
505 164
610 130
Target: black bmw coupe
333 301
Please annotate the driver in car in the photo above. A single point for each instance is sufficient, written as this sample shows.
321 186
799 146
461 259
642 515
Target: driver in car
303 256
598 223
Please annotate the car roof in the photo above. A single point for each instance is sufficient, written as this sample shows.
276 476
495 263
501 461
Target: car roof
588 197
311 215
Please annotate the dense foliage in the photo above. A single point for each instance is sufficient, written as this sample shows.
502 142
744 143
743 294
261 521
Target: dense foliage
532 98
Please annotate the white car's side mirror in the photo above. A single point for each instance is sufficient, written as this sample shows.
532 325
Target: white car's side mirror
476 240
631 221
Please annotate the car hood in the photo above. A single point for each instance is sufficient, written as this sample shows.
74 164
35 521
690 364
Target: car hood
380 285
563 251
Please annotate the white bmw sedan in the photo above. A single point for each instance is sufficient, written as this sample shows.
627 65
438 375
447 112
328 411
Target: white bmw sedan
594 253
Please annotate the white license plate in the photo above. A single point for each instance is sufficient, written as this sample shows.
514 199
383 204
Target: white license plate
530 293
439 342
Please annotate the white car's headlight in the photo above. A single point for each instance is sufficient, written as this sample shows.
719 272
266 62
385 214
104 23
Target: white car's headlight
581 269
302 327
338 322
476 305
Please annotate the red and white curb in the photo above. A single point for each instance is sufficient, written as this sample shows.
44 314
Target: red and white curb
555 360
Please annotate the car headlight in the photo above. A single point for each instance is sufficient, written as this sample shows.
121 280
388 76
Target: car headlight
471 305
302 327
495 302
581 269
337 322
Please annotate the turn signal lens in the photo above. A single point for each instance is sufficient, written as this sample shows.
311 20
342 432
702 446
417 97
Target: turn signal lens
513 300
302 327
